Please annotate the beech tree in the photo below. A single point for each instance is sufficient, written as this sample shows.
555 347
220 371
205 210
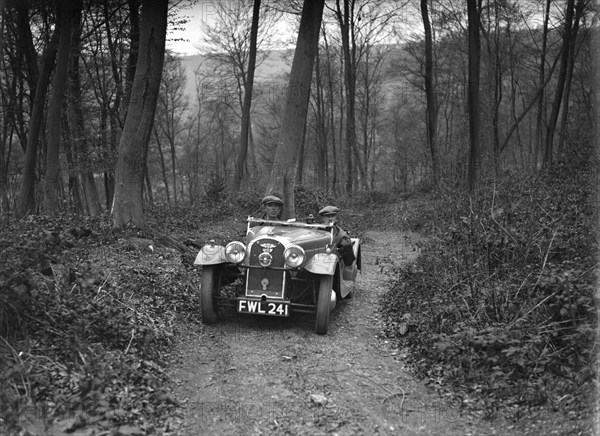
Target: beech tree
27 203
133 146
283 173
52 186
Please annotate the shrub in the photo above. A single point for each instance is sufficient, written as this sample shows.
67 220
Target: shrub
216 186
501 299
98 322
310 200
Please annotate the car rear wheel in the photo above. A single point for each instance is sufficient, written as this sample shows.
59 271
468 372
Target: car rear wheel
323 305
208 291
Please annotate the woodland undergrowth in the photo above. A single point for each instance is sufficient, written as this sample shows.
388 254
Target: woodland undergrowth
88 316
499 310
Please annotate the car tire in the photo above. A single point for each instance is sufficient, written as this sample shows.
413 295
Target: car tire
208 302
323 305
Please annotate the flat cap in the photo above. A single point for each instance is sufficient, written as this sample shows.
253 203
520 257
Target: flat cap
329 210
272 199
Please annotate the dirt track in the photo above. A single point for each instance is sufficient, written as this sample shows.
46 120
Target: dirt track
260 375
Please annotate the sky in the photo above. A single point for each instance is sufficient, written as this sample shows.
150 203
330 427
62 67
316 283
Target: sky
203 12
199 15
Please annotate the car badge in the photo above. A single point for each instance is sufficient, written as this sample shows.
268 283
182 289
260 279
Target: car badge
267 247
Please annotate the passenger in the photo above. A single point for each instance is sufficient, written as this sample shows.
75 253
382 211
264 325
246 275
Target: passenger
341 239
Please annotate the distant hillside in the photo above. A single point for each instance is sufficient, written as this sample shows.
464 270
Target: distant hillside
272 70
272 75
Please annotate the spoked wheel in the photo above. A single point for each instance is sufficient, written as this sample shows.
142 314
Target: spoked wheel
323 305
208 291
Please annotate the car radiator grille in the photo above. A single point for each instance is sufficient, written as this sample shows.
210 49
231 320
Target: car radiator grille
266 281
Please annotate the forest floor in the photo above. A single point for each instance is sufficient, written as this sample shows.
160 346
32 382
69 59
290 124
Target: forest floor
256 375
243 375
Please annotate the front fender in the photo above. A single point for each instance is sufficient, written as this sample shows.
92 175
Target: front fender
322 263
211 255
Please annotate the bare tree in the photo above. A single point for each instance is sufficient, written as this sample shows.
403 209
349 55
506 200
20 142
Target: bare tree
573 48
172 105
79 135
55 110
560 82
133 146
239 42
4 121
430 93
294 120
247 104
345 18
473 94
539 140
27 203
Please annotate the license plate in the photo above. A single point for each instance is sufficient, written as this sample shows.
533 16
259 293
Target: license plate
263 307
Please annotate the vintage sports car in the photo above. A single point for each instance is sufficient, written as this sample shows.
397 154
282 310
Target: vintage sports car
286 267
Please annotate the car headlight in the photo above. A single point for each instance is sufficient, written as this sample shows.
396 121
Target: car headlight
235 252
294 256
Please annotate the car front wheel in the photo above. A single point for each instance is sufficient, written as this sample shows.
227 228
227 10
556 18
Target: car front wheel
323 305
208 293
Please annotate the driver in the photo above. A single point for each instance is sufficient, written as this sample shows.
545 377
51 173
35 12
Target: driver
341 239
273 207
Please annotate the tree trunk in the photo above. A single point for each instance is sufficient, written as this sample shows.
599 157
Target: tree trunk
27 202
495 81
171 140
321 122
430 94
148 186
292 128
79 139
300 161
346 23
473 95
73 184
133 147
55 109
539 140
25 43
560 86
594 43
571 65
243 152
331 93
163 168
4 203
134 50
